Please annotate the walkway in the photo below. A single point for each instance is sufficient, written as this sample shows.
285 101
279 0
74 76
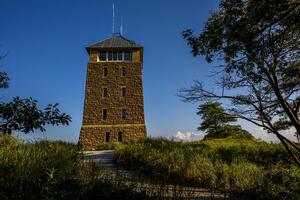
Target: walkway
142 183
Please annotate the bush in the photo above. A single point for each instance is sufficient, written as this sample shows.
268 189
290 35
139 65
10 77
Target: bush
282 183
245 178
200 170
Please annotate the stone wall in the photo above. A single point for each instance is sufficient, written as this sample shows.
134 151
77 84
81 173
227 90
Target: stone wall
90 136
94 126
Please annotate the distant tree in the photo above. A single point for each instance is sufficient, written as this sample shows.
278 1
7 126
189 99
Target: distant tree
213 116
215 121
24 115
259 44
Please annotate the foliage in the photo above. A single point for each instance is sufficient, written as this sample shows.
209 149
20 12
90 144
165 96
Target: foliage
215 121
249 168
25 116
233 131
213 116
258 42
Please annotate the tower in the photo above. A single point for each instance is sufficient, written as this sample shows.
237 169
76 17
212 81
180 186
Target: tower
113 105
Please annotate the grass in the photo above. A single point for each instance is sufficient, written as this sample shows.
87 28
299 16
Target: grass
247 168
52 170
56 170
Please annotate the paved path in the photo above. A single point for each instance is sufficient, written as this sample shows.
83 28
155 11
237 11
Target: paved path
104 160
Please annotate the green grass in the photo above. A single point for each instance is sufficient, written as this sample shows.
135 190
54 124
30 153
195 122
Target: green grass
52 170
248 168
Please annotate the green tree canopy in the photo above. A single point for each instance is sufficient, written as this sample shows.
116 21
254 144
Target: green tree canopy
213 116
216 122
259 44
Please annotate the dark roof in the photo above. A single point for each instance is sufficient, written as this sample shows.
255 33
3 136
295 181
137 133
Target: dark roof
116 41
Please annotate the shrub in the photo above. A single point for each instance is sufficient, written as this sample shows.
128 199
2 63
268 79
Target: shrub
282 183
201 172
245 177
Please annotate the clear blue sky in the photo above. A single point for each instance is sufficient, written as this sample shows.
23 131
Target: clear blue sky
46 40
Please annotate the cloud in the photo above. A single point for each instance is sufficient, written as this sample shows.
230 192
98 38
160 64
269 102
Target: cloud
186 136
260 133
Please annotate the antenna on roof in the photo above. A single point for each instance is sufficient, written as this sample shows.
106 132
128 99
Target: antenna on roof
121 26
113 18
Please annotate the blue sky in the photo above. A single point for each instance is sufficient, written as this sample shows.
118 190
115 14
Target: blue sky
46 40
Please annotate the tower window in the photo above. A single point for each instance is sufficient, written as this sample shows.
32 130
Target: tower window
105 71
120 55
123 91
123 71
102 55
110 56
120 136
104 114
104 92
115 56
127 56
124 114
107 136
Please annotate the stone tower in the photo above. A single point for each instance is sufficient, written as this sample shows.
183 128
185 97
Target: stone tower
113 105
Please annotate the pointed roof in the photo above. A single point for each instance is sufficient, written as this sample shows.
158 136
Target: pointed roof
116 41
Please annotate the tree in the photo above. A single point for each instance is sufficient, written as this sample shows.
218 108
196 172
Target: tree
259 44
215 121
24 115
213 116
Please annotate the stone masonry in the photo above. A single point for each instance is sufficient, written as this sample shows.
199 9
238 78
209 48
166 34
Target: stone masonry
95 129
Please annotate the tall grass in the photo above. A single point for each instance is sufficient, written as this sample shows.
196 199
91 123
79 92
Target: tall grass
52 170
246 168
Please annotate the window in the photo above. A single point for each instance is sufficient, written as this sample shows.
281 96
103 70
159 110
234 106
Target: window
110 56
127 56
104 92
124 114
120 136
115 55
123 91
105 71
120 55
104 114
107 136
102 55
123 71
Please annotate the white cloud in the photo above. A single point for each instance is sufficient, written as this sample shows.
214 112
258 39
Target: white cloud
186 136
260 133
